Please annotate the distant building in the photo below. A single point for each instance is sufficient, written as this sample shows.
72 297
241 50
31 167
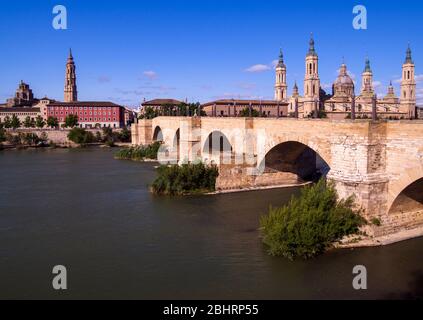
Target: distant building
23 97
233 107
339 105
129 115
91 114
21 112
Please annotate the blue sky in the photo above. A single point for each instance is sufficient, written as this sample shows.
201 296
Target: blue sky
126 51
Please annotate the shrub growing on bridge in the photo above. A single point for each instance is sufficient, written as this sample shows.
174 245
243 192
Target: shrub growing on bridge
139 153
309 224
185 179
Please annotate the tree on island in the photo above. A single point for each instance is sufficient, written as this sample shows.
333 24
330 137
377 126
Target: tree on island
71 121
15 122
52 122
311 223
39 122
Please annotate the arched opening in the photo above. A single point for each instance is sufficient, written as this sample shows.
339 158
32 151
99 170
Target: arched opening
158 134
217 147
410 199
177 144
297 160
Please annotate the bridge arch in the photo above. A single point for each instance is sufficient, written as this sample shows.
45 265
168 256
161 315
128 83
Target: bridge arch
158 134
177 144
295 158
217 147
409 199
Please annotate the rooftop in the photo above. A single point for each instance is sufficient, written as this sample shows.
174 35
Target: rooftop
243 102
161 102
85 104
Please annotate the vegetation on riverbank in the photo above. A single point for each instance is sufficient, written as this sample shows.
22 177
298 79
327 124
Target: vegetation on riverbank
106 136
185 179
139 153
310 224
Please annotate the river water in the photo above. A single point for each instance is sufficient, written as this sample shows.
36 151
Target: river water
94 215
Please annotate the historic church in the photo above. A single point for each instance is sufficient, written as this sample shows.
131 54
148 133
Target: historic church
343 100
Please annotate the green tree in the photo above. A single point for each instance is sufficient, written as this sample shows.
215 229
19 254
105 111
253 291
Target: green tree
39 122
246 113
149 113
15 122
185 179
27 122
81 136
125 135
52 122
311 223
71 121
31 139
7 122
2 135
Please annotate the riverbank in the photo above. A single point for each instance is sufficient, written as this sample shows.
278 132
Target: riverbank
281 186
365 242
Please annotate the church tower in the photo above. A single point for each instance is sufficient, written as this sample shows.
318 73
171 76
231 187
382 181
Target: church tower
408 87
311 80
281 87
71 94
367 80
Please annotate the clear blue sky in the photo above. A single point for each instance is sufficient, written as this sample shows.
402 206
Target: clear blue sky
126 51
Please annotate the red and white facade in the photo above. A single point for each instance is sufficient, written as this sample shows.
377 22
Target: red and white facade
90 114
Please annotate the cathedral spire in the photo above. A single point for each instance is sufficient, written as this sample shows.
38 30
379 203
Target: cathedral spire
367 67
408 58
311 49
281 63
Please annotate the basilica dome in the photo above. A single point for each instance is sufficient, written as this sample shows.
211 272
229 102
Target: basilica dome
343 85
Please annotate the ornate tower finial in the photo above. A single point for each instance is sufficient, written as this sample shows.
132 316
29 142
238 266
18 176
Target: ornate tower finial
311 49
281 63
367 67
408 58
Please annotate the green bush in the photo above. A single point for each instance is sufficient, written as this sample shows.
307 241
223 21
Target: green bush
185 179
309 224
139 153
81 136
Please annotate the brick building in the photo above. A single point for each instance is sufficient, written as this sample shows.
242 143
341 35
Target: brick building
91 114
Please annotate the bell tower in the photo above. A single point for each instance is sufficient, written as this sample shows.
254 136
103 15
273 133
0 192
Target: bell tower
71 93
311 80
281 87
408 87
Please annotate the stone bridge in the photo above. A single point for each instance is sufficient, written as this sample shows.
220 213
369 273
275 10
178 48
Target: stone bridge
379 163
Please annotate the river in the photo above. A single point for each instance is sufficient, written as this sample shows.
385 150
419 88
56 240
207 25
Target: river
82 209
